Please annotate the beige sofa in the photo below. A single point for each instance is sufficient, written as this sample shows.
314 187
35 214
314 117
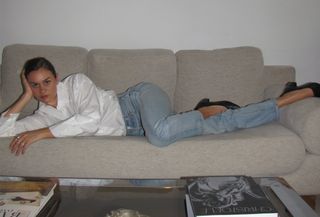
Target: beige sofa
289 148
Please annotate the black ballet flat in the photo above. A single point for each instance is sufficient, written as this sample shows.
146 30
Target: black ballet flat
206 102
291 86
202 103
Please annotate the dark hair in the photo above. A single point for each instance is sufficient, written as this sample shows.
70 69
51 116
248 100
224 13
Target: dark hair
38 63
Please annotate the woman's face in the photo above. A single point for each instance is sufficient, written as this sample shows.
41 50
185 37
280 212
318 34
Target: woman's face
44 86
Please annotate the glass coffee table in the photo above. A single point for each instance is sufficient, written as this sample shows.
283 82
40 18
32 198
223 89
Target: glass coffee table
101 197
152 198
157 198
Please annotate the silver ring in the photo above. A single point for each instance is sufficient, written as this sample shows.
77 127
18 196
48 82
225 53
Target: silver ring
17 137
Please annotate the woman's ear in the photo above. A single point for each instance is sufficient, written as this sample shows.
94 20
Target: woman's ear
57 77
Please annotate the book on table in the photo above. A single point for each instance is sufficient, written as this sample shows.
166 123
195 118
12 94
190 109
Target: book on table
225 196
26 198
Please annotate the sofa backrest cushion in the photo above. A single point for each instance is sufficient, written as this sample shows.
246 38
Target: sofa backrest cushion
67 60
234 74
118 69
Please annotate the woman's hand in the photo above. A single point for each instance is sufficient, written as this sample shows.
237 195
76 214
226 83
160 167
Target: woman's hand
23 100
22 141
27 91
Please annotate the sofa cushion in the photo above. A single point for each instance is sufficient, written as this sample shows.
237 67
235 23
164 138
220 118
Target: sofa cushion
234 74
268 150
66 60
119 69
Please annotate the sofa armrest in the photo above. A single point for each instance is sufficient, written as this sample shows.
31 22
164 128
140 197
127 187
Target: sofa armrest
303 118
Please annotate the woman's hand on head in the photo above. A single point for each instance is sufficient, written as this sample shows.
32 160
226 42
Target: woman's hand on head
27 91
23 99
22 141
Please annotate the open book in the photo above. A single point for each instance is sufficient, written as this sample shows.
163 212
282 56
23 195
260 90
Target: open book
24 198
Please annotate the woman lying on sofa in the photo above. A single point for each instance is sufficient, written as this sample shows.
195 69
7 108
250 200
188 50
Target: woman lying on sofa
77 107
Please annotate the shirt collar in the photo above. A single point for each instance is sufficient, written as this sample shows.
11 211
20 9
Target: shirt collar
62 97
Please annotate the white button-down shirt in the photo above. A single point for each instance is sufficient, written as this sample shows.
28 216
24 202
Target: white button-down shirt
83 109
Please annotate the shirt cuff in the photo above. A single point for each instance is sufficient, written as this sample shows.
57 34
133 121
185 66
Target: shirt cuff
7 124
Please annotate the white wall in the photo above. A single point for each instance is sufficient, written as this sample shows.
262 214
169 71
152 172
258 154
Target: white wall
287 31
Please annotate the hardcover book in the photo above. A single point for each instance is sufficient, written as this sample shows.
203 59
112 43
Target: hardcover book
24 198
226 196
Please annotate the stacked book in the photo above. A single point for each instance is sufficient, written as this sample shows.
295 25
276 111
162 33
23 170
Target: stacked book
225 196
28 198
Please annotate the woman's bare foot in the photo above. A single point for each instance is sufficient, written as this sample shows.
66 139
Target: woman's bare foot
211 110
294 96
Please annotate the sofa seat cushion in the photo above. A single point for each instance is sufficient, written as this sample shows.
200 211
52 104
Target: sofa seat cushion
234 74
268 150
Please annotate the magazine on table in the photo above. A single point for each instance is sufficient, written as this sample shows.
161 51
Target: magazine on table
24 198
227 196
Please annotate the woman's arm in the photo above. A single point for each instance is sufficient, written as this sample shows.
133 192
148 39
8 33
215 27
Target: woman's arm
23 140
23 100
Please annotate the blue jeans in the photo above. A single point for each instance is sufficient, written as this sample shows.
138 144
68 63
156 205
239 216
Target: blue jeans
147 111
